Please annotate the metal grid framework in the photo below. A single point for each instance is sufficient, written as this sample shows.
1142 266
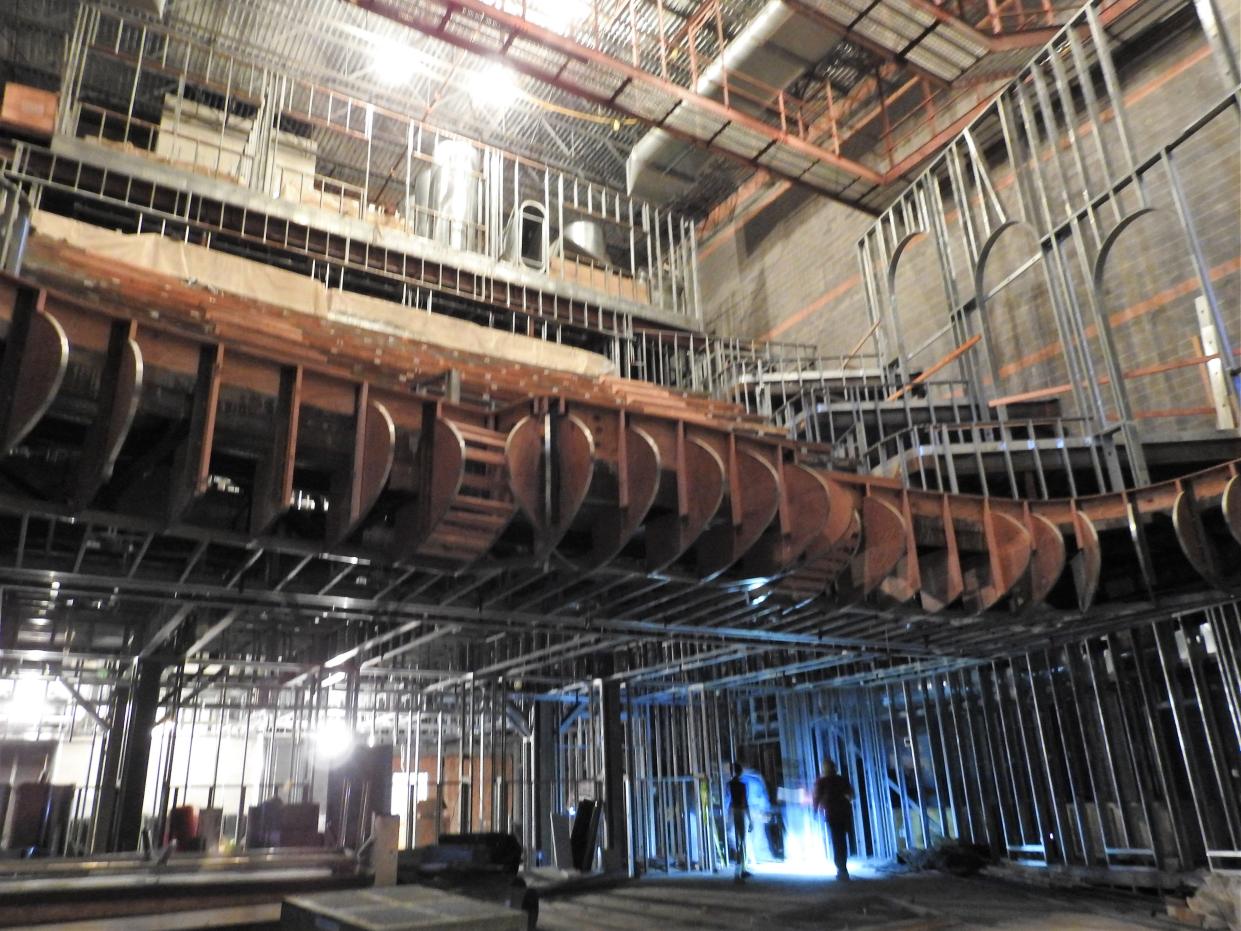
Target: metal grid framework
281 637
1076 200
188 106
1109 751
868 113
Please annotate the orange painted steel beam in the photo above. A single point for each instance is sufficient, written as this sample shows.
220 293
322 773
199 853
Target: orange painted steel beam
624 73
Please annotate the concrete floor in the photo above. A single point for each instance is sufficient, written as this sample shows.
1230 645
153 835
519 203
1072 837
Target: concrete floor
910 902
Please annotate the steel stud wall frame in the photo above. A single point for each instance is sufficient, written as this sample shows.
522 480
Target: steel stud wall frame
366 161
1063 130
1111 751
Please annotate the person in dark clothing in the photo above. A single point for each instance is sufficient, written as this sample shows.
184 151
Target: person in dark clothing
833 796
739 807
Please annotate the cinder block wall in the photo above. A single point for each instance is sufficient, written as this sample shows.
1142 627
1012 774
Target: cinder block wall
786 266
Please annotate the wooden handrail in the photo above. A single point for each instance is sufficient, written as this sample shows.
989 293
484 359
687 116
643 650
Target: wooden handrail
942 363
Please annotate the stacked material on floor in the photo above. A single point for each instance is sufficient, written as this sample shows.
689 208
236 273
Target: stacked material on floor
404 908
72 889
28 110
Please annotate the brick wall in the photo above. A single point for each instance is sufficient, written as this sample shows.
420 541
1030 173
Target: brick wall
787 267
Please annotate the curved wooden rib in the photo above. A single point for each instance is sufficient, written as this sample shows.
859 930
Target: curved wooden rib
273 477
1047 562
700 481
841 514
803 519
527 475
613 528
120 390
549 491
903 582
825 559
1197 545
942 584
374 451
833 549
1087 562
884 541
440 458
32 369
1008 546
754 499
1230 504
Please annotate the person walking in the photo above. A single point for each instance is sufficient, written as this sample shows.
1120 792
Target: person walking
739 807
833 796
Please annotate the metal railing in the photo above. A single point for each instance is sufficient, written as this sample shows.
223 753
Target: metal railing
14 225
236 120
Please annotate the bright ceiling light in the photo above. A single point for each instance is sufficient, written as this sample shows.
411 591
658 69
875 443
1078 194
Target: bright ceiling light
560 16
394 62
494 87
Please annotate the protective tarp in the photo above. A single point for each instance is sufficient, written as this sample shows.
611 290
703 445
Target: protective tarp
197 265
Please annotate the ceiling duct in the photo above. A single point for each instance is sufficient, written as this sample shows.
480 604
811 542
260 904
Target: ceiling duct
775 48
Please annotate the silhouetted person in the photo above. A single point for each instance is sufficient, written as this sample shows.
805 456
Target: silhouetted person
833 795
739 806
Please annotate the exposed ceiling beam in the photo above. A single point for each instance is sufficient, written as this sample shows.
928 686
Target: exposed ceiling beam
618 76
198 594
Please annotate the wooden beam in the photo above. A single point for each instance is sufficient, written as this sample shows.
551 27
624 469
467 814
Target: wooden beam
941 364
120 389
32 366
273 485
192 462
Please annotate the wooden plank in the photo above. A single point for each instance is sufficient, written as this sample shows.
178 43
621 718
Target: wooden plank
1140 372
941 364
857 347
1035 395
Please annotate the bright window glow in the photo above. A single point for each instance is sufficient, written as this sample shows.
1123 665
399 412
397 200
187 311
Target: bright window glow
395 62
495 87
333 740
401 783
28 702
